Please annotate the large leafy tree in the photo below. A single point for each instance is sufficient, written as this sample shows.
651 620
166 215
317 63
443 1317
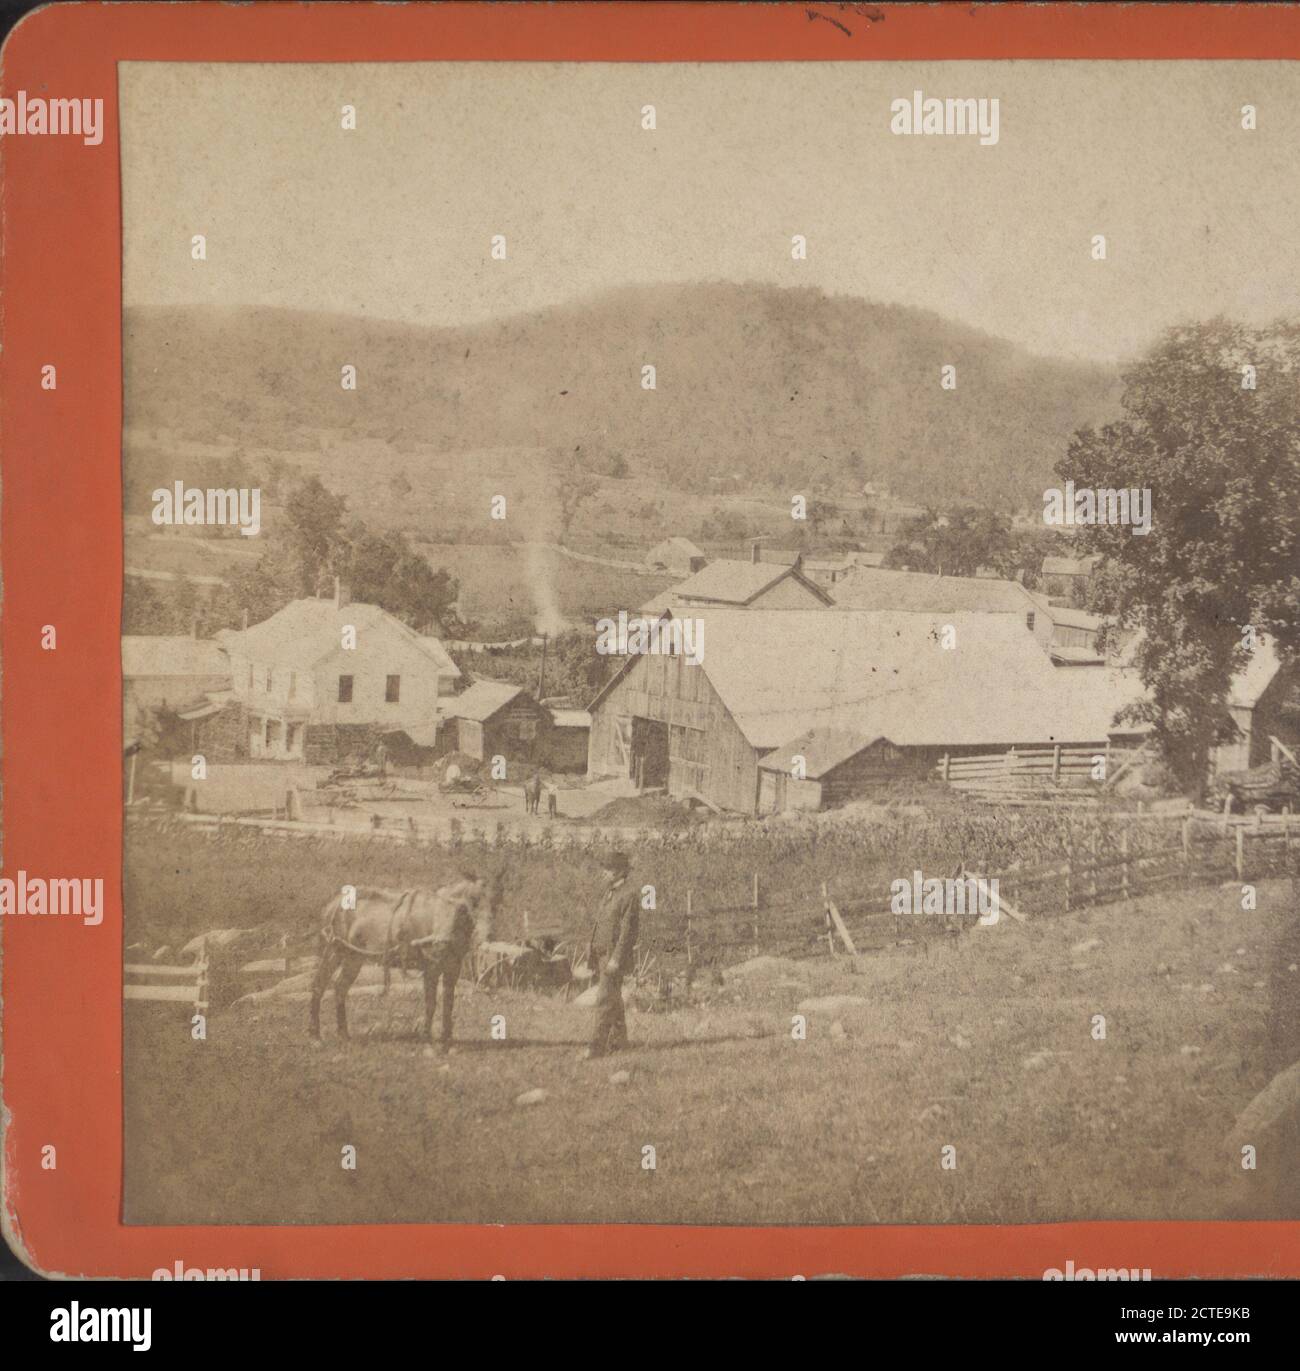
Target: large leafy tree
1211 427
958 543
383 569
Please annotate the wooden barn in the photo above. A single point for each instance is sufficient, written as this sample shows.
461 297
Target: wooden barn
877 693
495 719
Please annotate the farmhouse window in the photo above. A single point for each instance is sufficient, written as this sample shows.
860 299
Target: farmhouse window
345 690
525 729
393 690
1029 621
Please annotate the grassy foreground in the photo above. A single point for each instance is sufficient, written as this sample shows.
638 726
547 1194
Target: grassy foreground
985 1046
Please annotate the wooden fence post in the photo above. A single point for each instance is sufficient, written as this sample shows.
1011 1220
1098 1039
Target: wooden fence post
1241 852
830 927
690 955
1187 840
1123 850
1069 874
755 903
1056 764
947 762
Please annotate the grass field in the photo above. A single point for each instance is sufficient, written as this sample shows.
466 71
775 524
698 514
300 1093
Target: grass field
985 1046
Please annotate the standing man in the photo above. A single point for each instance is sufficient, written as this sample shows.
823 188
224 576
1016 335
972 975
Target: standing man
610 953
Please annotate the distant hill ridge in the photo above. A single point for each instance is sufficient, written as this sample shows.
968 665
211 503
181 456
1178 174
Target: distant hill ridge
777 384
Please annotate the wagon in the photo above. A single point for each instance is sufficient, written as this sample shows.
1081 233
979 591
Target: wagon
1275 785
523 966
464 791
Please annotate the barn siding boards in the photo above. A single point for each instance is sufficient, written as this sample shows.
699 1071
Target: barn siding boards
707 753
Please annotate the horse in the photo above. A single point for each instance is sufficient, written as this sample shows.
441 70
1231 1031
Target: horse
532 793
429 929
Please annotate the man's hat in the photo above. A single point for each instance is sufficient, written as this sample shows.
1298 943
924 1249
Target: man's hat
616 862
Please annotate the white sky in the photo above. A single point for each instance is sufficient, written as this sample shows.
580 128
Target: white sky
394 219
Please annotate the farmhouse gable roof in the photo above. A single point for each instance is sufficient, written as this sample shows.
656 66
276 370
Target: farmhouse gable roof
305 632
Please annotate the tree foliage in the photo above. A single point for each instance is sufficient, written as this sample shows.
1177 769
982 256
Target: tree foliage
1219 569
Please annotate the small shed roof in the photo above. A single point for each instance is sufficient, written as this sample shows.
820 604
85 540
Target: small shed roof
822 750
482 700
570 718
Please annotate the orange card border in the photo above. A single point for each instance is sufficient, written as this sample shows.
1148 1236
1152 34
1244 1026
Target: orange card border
60 543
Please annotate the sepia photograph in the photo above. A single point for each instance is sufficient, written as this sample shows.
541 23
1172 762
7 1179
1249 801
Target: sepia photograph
710 643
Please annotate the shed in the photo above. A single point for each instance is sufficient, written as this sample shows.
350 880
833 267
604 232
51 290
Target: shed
827 766
496 719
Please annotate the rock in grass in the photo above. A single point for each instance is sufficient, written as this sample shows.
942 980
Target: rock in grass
620 1078
838 1030
530 1097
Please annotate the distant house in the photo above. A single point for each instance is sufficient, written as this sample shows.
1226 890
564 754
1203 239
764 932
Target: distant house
742 585
679 556
1060 575
822 571
496 719
299 693
770 680
168 673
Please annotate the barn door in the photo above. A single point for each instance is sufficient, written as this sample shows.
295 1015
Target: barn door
623 743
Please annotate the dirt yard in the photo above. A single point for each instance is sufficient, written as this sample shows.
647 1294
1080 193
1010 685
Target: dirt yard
987 1046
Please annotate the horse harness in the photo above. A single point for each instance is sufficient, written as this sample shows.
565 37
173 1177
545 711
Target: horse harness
392 944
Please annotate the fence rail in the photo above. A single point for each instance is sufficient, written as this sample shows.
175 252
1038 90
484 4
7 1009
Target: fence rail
1144 859
154 983
1034 767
